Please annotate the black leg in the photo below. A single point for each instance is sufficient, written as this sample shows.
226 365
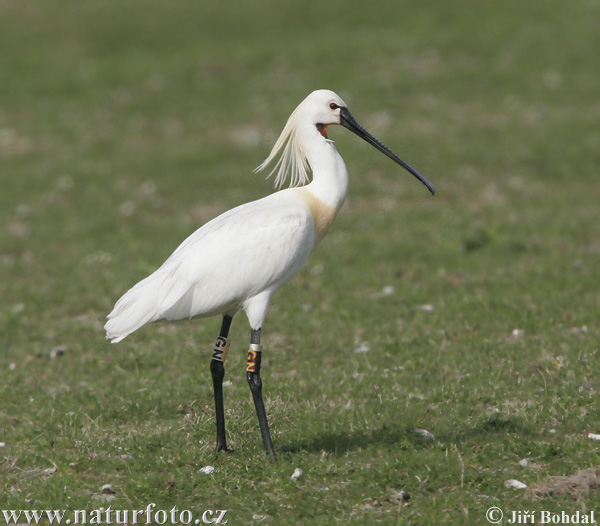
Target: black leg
217 369
253 375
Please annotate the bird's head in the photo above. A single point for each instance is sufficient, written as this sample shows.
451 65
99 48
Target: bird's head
322 108
326 107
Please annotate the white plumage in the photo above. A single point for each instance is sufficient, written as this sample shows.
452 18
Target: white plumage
235 261
239 259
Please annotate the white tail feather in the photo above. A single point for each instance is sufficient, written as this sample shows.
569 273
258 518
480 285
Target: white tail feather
144 303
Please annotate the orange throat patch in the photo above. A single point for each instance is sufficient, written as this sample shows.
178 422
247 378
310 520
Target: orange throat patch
322 129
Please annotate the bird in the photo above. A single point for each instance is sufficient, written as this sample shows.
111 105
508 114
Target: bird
239 259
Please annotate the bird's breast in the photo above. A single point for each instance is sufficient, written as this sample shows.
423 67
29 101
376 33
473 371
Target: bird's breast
322 214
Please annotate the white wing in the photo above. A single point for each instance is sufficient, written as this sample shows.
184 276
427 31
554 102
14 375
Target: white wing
248 251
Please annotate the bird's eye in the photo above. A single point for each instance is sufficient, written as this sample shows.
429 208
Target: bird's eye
333 106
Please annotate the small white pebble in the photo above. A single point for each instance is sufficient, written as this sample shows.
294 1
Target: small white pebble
107 489
552 431
593 436
524 463
207 470
517 333
12 366
515 484
425 308
424 433
58 351
387 291
401 496
2 444
297 474
363 347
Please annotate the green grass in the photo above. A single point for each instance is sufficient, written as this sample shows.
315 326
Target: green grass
126 125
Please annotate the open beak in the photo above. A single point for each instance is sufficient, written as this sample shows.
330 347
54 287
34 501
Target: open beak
348 121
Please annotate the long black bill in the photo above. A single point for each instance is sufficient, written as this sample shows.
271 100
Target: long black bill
348 121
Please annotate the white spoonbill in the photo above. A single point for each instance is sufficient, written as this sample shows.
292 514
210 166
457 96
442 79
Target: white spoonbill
240 258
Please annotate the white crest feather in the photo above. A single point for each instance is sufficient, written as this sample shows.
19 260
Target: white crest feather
293 162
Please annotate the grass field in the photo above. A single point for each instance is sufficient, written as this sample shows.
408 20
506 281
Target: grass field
126 125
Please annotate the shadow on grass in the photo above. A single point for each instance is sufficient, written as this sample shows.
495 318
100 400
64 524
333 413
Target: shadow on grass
407 438
493 427
342 442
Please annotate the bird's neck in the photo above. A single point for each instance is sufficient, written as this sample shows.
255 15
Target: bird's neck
325 194
330 176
